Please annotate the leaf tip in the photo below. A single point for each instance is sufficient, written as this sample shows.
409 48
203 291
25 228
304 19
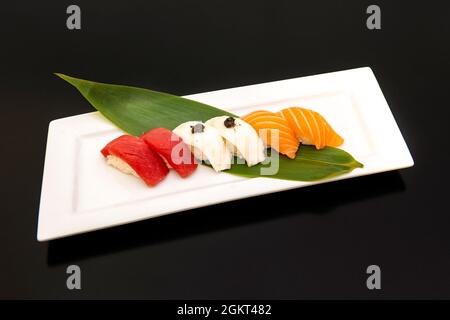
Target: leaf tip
73 81
62 76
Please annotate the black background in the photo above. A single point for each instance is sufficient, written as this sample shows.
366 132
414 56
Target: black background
307 243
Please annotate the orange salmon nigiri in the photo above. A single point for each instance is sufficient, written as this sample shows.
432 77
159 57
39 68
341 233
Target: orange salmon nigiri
274 130
311 128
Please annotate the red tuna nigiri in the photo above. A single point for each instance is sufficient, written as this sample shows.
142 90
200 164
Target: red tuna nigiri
172 148
143 161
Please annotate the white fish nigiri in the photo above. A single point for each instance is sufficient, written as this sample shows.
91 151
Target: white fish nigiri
242 138
206 143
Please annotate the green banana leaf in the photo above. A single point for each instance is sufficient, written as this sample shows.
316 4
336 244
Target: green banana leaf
309 164
137 110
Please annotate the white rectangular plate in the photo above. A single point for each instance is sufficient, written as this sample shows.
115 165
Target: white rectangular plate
81 193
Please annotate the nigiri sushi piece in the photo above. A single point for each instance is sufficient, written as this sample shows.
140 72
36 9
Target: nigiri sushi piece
206 143
172 149
131 155
274 130
311 128
242 139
